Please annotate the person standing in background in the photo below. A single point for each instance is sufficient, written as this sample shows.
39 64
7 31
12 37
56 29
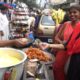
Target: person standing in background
31 21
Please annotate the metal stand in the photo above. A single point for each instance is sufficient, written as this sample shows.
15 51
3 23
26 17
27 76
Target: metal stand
47 75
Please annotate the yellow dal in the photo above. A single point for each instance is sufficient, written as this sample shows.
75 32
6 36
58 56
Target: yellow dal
9 58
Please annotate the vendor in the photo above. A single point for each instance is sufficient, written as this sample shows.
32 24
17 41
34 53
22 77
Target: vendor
15 42
4 31
4 22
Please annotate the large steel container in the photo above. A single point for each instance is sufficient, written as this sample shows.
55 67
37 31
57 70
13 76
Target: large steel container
17 69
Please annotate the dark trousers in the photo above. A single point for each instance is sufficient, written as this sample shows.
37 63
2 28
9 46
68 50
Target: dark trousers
74 68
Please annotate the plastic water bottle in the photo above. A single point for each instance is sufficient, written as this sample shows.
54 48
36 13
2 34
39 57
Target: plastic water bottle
31 36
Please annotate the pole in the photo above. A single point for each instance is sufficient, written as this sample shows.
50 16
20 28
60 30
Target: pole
40 3
77 1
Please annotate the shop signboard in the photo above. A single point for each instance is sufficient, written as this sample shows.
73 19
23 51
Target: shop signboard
58 1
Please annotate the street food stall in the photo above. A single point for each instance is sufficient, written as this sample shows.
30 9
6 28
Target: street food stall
25 64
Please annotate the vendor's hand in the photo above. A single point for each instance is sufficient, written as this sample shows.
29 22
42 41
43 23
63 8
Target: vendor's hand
19 43
43 46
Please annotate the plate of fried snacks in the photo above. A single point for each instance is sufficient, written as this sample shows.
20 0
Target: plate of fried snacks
36 53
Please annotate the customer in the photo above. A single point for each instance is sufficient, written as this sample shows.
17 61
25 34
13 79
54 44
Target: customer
72 46
61 56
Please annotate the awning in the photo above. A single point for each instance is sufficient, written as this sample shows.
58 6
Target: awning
8 5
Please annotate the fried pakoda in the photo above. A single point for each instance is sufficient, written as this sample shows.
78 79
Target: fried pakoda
35 53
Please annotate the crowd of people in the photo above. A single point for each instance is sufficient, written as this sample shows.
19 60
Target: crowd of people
66 46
